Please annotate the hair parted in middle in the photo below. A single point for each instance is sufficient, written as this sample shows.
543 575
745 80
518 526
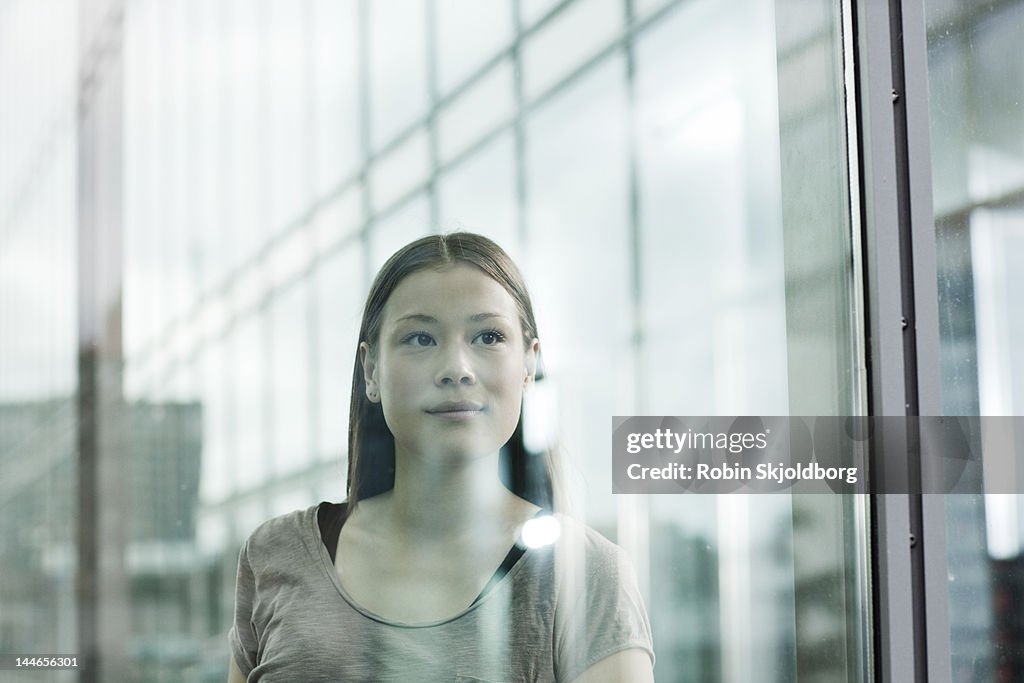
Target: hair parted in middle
371 445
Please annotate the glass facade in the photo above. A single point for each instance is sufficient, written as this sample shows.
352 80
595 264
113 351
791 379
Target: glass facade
976 79
195 196
38 375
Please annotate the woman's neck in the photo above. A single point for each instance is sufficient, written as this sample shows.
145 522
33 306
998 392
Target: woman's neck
459 501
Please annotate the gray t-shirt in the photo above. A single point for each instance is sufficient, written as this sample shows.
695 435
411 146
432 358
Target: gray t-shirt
560 609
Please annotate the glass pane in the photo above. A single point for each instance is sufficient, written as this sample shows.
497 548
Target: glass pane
210 247
706 139
705 142
289 379
740 581
469 33
569 39
336 121
403 225
287 110
249 424
400 171
531 11
480 195
398 66
245 128
336 221
976 83
476 112
216 480
144 296
340 283
674 188
39 69
578 204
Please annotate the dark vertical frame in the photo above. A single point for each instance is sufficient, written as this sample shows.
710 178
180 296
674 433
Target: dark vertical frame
923 252
911 629
102 582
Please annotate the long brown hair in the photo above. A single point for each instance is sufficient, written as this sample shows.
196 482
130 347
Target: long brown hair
371 445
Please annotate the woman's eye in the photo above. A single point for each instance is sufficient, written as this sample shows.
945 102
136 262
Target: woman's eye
419 339
490 337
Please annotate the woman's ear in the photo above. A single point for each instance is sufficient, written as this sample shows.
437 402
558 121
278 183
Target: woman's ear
366 357
530 362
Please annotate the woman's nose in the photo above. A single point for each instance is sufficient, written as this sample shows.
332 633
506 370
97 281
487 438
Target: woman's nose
455 368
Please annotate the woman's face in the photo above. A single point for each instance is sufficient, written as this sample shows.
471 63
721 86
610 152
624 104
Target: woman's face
451 364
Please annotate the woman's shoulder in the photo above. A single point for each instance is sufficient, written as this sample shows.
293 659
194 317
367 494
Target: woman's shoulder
574 531
599 610
282 534
582 548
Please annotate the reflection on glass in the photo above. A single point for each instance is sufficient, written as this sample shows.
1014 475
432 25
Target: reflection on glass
337 316
488 102
286 101
677 201
38 279
577 264
289 379
468 34
216 477
566 41
336 221
244 129
530 11
479 195
336 117
708 141
976 82
724 244
403 225
397 66
248 381
290 257
400 171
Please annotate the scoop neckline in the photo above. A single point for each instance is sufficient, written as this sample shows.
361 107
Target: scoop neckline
328 566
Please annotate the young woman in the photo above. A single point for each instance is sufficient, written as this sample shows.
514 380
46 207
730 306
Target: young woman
424 573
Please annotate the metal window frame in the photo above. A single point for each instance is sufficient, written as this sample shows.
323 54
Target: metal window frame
911 619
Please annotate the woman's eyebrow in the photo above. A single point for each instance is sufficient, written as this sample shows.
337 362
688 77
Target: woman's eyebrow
427 319
484 316
417 317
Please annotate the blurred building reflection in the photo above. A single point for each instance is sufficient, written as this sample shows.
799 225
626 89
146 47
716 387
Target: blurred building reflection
38 500
976 79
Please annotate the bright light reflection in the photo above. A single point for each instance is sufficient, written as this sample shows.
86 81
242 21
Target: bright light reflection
1002 526
540 531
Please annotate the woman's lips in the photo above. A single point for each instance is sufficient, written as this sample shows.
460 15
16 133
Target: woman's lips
456 410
